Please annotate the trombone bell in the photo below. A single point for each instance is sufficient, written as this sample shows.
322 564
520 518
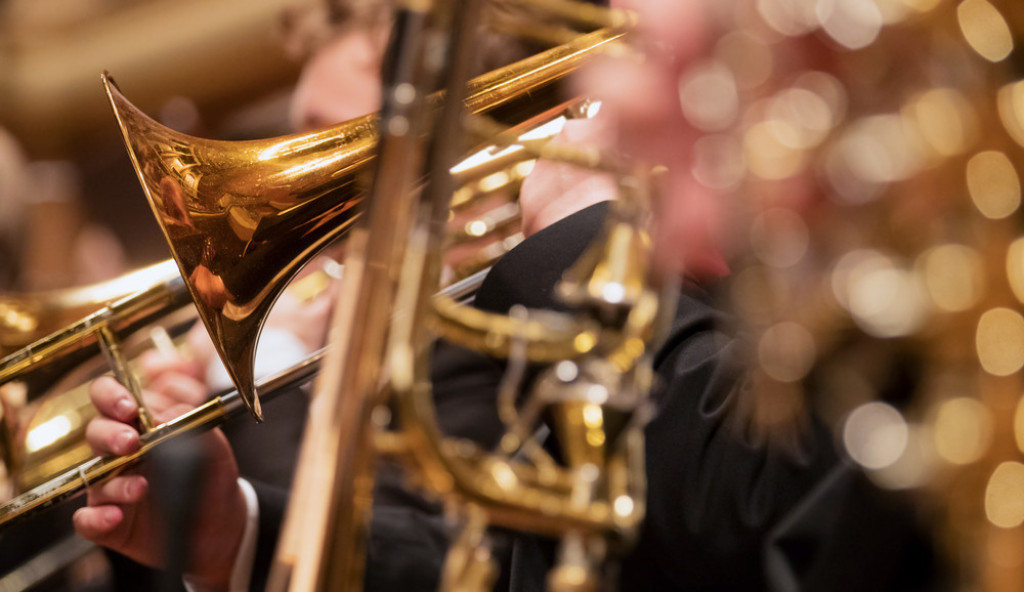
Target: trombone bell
243 217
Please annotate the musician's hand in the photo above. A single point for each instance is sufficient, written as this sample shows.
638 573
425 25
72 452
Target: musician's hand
122 514
554 190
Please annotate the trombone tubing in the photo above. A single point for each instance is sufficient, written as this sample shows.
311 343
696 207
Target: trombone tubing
74 481
211 414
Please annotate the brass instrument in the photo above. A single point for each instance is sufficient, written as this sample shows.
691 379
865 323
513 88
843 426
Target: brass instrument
90 469
811 120
44 386
25 437
381 338
46 407
123 316
27 318
243 217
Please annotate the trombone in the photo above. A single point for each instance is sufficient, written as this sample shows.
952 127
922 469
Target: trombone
242 218
76 479
337 201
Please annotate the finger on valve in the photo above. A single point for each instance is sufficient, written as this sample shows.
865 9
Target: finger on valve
111 432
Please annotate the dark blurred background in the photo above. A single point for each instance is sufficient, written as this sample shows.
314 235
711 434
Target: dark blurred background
71 210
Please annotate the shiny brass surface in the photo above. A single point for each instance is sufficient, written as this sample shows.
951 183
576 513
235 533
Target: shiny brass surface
94 470
28 317
243 217
36 445
46 405
379 331
164 292
45 438
386 318
51 440
57 464
233 213
548 337
39 333
593 395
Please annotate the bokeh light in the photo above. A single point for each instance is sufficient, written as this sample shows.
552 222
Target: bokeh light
1015 267
1010 103
746 58
953 275
914 468
786 351
854 24
945 120
985 29
789 17
718 162
1018 424
875 435
800 118
999 341
709 96
779 237
1004 503
993 184
767 153
962 430
883 299
882 148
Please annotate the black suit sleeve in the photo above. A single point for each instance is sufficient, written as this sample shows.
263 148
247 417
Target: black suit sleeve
272 501
713 492
726 510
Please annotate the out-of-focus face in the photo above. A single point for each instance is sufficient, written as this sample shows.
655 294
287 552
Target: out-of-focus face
340 81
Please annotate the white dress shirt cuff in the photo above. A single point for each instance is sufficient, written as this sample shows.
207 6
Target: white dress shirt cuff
241 572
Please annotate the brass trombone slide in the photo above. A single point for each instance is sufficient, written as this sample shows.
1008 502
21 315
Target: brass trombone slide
209 415
25 318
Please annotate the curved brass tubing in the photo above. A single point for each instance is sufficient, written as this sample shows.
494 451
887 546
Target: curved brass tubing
243 217
598 409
